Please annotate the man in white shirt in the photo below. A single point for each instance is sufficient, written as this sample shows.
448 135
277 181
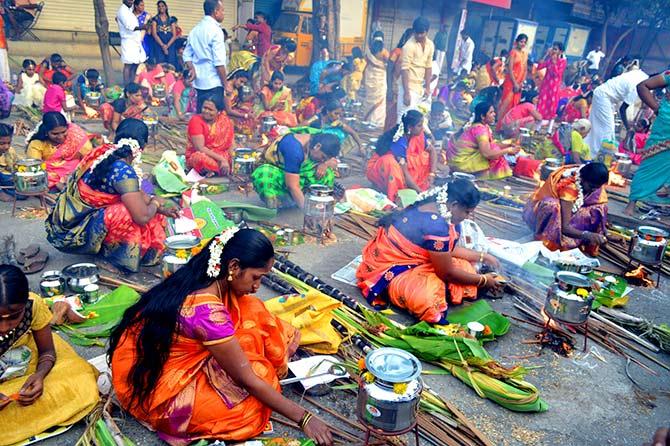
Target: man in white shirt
132 52
619 92
594 57
465 52
416 69
205 53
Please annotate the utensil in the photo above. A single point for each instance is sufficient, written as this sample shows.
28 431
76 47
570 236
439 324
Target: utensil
319 210
267 124
170 265
463 176
648 245
52 284
380 403
548 167
93 99
475 329
335 370
569 299
30 182
78 275
181 245
343 169
91 293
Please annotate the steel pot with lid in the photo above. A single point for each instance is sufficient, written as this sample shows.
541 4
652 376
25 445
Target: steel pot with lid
182 245
648 245
390 390
158 91
267 124
569 299
79 275
93 99
244 161
548 167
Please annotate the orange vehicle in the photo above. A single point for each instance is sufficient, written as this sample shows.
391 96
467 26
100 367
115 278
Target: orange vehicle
295 22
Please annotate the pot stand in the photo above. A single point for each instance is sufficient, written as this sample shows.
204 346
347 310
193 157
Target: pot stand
369 430
40 196
584 326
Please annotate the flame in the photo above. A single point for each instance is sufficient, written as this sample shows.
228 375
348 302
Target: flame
548 321
640 275
616 179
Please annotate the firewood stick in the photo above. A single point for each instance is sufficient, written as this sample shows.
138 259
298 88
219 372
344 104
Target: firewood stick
625 332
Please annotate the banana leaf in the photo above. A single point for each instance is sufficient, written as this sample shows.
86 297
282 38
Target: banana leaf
109 311
480 311
249 211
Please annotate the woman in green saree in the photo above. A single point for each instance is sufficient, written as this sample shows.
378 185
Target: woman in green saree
277 101
293 163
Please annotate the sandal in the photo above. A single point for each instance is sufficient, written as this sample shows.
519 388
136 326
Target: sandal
36 263
28 252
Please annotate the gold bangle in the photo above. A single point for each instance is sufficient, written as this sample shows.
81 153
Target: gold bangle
479 282
305 419
485 279
481 257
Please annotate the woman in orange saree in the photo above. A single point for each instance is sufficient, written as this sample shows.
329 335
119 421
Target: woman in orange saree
404 158
210 138
103 210
277 101
570 209
60 145
198 357
414 262
131 105
517 66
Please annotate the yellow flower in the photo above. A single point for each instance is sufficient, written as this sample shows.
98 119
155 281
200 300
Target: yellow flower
181 254
368 377
21 168
92 315
582 293
400 388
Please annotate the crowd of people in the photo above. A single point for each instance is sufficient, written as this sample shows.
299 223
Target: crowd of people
198 356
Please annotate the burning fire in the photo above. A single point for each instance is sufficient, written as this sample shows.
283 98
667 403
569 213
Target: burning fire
639 277
616 179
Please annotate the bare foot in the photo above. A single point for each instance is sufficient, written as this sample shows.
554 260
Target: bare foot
6 197
630 209
663 192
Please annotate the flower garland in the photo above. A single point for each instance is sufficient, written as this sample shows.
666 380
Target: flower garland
216 249
400 132
442 197
579 202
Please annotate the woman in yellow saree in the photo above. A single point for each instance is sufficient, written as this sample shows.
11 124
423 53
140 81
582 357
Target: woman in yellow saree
277 101
414 262
44 384
198 357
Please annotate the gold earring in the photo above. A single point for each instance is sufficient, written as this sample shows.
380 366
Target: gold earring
230 276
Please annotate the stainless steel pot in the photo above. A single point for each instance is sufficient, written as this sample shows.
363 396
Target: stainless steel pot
569 299
378 405
464 176
268 124
181 245
30 182
548 167
78 275
30 165
93 99
648 245
158 91
624 164
171 264
244 161
52 284
343 169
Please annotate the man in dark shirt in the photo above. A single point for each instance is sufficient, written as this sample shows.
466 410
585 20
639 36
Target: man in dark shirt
440 42
264 32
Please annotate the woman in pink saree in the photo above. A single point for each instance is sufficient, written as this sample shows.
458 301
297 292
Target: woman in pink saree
60 145
555 63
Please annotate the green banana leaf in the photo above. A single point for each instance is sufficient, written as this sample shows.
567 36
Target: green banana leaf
109 310
249 211
480 311
214 217
168 181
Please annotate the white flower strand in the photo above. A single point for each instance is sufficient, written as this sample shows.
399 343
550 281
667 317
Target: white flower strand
442 197
135 149
216 249
579 202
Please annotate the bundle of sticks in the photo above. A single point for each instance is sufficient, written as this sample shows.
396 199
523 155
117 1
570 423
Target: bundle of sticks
530 302
358 224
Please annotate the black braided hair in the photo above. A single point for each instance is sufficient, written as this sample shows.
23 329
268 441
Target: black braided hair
130 128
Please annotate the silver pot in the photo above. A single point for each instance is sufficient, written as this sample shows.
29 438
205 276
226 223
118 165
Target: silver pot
648 245
78 275
30 182
171 264
181 245
93 99
378 405
52 284
548 167
464 176
624 164
343 169
159 92
244 161
268 124
564 300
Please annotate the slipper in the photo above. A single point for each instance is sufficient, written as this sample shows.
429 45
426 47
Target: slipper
36 263
28 252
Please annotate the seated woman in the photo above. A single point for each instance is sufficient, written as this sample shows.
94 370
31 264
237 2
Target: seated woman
199 357
210 138
8 159
403 159
414 262
277 101
103 209
293 163
569 210
61 145
523 115
240 106
329 120
578 107
580 152
184 96
50 386
131 105
29 90
651 180
152 76
475 151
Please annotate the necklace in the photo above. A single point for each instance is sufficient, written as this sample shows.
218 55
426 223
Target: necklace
7 335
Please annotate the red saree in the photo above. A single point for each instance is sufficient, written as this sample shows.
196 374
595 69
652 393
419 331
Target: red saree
194 397
386 174
395 267
218 138
510 98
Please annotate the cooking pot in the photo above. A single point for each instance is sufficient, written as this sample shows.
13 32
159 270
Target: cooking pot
648 245
159 91
268 123
30 165
93 99
52 284
30 182
464 176
78 275
548 167
343 169
181 245
171 264
569 299
623 165
244 161
245 92
390 390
